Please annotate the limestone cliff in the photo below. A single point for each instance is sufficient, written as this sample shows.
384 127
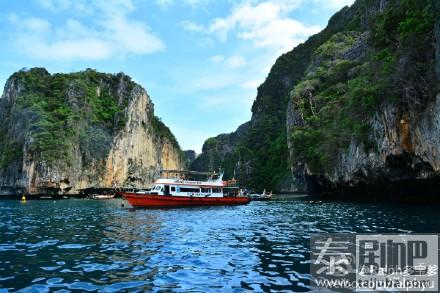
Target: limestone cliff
355 106
62 133
190 156
366 115
216 151
257 151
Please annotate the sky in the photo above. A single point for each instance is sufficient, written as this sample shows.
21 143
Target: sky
200 61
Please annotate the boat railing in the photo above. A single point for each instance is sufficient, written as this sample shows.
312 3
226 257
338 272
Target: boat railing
231 183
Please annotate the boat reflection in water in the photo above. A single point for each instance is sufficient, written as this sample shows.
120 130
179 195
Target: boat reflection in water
176 189
102 196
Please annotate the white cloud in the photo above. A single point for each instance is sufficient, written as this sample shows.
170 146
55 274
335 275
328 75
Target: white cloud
269 29
192 26
265 24
132 36
60 5
217 59
32 24
334 4
55 4
194 4
213 82
251 84
235 62
112 33
164 3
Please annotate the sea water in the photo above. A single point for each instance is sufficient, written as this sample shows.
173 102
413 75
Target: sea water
105 246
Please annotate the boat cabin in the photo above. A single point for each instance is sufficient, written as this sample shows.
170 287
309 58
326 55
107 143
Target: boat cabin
185 190
183 183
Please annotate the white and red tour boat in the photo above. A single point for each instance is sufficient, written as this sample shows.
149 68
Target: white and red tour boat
176 189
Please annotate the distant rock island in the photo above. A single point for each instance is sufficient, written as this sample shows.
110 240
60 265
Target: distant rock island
353 110
61 133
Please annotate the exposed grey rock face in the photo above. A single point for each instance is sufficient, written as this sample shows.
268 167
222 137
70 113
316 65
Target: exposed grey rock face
190 156
405 136
296 184
358 50
437 48
137 153
407 143
216 148
407 148
100 157
396 149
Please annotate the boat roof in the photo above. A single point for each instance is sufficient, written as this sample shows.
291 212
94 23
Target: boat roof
189 172
188 182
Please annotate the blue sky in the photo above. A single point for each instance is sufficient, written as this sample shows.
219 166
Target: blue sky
201 61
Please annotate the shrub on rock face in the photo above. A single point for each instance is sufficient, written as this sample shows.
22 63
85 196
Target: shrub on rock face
370 53
337 97
67 125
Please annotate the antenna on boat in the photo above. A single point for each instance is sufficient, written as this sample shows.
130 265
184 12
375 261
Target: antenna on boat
221 172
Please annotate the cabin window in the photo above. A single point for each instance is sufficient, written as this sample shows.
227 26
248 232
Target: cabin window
173 188
216 190
206 190
184 189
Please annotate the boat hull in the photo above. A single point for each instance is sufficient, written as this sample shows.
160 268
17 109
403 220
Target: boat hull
260 199
145 200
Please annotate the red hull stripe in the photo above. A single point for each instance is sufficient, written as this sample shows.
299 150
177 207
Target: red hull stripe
142 200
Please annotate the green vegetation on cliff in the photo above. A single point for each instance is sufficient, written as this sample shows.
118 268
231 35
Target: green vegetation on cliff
259 156
340 93
66 106
367 55
61 114
163 132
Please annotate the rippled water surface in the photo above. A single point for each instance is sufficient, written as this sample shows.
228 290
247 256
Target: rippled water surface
84 245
